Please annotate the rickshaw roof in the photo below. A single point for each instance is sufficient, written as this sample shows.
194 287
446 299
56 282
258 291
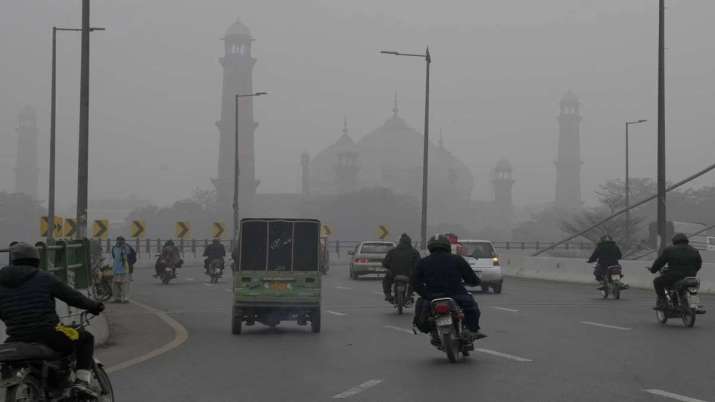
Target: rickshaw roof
268 220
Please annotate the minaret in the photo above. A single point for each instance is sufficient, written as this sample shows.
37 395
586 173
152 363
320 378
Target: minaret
26 170
305 174
568 162
237 64
503 182
346 170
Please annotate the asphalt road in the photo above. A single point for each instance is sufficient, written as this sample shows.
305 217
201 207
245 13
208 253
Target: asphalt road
547 342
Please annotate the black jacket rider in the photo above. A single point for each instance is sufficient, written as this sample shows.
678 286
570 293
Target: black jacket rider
682 261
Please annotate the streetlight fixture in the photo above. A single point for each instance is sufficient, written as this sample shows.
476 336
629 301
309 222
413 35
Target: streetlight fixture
53 104
627 185
236 168
425 156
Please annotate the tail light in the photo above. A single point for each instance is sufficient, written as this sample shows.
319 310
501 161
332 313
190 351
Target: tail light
495 261
360 261
441 308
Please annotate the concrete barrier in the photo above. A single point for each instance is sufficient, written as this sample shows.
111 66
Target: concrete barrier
575 270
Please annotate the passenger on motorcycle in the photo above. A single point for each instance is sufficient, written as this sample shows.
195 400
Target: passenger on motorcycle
443 274
213 251
401 260
682 260
27 307
605 255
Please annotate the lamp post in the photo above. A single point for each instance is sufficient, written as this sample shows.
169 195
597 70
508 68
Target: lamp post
53 115
662 216
425 156
627 185
236 168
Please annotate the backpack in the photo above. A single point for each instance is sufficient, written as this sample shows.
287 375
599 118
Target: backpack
132 256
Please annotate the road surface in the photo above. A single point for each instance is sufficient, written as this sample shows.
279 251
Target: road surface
547 342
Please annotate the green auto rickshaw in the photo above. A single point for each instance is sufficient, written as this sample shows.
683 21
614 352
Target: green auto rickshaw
277 276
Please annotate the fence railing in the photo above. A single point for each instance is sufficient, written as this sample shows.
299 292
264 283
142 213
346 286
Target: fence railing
68 260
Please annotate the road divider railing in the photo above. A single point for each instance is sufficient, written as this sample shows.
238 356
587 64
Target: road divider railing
69 260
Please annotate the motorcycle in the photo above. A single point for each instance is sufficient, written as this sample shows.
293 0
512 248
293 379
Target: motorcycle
612 282
34 372
215 269
164 271
102 283
682 301
448 329
400 289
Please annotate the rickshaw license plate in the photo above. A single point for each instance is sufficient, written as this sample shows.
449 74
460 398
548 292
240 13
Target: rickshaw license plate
279 286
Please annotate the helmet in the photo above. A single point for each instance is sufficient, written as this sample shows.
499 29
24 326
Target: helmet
606 238
169 243
217 241
680 238
24 251
439 242
120 239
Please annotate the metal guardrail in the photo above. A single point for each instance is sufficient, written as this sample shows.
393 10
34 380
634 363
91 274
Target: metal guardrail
68 260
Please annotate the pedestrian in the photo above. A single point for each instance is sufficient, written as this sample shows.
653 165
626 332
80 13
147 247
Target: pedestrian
120 270
131 260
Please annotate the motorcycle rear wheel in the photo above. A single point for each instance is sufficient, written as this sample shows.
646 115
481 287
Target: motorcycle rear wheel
450 347
27 391
616 291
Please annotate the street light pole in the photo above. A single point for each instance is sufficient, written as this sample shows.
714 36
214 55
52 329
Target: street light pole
628 187
53 118
662 229
236 167
425 155
83 159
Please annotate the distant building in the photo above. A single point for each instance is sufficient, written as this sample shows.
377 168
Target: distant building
568 162
26 164
503 182
237 64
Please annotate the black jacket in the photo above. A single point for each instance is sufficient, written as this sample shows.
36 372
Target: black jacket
606 253
214 251
27 301
682 258
441 275
402 259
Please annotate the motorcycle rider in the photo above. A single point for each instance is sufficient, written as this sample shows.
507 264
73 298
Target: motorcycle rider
605 255
27 307
443 274
213 251
401 260
171 257
683 261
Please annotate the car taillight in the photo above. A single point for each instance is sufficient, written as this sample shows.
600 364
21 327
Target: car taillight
495 261
441 308
360 261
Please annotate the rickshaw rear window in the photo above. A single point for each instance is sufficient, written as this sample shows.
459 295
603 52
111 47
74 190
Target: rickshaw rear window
305 252
253 247
280 243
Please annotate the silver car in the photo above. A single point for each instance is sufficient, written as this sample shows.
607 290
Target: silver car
367 258
483 259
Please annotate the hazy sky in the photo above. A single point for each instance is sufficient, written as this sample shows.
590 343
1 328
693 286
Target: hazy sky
500 67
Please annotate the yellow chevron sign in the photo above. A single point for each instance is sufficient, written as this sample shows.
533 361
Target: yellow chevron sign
57 227
100 229
326 231
69 229
217 230
137 229
183 230
383 231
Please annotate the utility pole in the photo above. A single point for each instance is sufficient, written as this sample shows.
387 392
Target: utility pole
83 161
662 216
425 154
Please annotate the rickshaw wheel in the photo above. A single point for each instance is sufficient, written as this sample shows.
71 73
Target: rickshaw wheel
236 322
315 321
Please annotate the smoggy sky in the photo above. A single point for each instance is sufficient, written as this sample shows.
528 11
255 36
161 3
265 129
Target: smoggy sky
499 70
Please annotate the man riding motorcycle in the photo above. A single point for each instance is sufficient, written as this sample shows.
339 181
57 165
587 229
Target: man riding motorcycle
213 251
605 255
401 260
443 274
170 256
683 261
27 307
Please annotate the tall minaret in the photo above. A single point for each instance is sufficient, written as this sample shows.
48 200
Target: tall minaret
305 173
26 170
237 64
568 162
503 182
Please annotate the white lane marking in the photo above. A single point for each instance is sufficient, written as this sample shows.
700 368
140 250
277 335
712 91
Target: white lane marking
180 336
343 288
597 324
504 355
378 293
356 390
405 330
671 395
511 310
339 314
